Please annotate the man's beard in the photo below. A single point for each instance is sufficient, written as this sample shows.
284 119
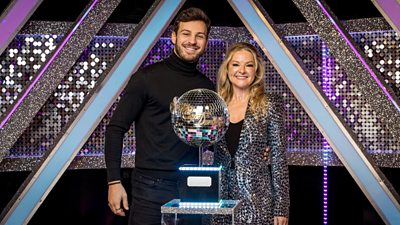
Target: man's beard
189 58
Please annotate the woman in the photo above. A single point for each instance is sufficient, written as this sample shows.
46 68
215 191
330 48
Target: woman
256 124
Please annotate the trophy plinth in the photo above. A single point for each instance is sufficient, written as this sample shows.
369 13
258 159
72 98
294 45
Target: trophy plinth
200 184
200 118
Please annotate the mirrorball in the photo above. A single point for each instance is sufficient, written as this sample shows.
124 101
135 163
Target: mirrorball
199 117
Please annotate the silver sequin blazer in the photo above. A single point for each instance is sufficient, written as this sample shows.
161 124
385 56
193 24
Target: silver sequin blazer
262 185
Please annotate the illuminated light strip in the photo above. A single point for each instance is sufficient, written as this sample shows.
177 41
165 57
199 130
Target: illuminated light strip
390 9
359 56
91 113
49 62
13 18
327 88
200 205
203 168
340 137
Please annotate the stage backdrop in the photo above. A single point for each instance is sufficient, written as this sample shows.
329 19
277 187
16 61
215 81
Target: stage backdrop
306 145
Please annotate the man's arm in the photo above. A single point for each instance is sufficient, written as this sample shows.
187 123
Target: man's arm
128 109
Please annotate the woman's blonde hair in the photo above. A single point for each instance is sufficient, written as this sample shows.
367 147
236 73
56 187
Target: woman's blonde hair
258 101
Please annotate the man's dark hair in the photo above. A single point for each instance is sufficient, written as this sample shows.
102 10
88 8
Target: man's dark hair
192 14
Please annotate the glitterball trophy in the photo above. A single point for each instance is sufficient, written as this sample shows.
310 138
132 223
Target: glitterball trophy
200 118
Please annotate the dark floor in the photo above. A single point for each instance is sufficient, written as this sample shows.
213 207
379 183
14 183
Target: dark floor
80 197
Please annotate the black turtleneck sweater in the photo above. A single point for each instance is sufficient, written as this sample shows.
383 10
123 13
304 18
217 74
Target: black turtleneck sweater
147 103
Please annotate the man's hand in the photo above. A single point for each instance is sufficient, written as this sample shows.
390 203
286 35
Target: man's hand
280 220
116 196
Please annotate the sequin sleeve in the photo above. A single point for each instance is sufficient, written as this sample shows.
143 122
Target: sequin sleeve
279 167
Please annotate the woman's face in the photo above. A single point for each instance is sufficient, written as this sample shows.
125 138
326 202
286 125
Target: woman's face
242 70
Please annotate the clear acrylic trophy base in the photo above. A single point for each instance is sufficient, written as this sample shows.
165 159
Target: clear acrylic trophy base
171 212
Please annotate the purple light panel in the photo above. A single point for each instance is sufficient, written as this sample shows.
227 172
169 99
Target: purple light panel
359 56
61 46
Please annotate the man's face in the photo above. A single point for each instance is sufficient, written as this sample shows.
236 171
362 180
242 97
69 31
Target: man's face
190 40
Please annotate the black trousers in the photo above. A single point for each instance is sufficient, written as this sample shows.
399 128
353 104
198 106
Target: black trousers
148 195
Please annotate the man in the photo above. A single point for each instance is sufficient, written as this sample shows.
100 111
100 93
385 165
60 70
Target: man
159 152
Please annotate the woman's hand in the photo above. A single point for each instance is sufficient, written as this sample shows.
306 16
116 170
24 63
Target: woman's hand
266 153
280 220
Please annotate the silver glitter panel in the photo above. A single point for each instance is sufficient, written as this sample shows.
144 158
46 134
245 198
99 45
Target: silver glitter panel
21 118
305 145
229 34
87 162
356 71
90 162
311 158
358 25
19 164
366 24
46 27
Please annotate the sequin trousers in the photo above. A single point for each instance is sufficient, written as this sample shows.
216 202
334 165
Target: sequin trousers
261 185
